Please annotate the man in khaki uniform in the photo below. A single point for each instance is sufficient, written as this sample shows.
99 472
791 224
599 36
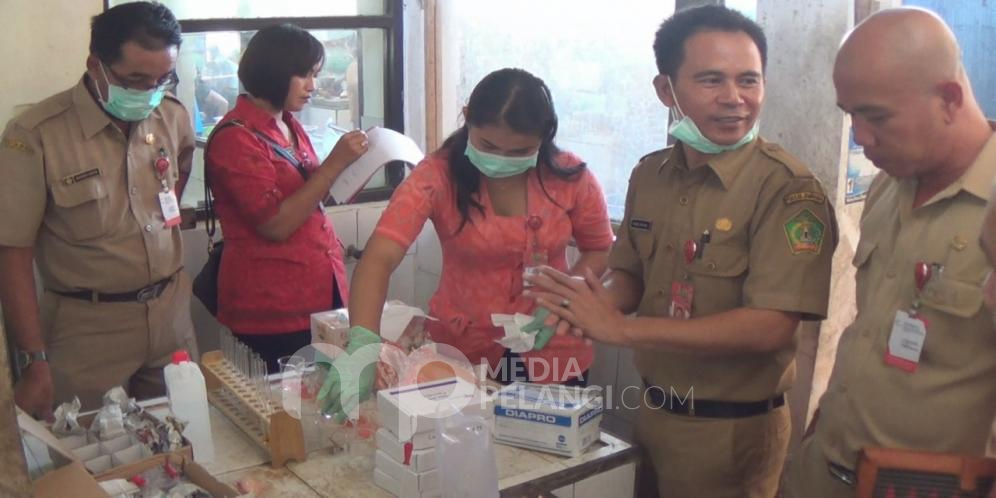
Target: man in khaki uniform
90 178
725 246
916 369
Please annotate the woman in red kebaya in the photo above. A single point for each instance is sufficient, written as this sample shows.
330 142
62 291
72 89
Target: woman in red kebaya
282 259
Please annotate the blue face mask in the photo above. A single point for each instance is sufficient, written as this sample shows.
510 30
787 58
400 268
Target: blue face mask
685 130
127 104
496 166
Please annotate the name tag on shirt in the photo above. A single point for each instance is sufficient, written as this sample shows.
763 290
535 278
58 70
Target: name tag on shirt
906 341
170 207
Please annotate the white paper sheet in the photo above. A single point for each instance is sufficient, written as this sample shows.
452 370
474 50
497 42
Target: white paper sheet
515 339
386 145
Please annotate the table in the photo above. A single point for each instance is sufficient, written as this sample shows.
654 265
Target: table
609 465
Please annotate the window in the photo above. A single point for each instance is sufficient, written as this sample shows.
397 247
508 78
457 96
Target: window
974 24
599 74
359 86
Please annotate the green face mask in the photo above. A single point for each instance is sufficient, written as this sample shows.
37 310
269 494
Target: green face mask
127 104
496 166
685 130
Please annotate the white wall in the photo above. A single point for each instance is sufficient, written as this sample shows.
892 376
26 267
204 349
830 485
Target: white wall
45 46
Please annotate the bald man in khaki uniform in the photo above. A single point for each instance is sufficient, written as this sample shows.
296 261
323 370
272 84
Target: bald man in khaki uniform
916 369
81 196
725 246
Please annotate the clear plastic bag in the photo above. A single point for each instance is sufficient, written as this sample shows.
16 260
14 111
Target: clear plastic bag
465 447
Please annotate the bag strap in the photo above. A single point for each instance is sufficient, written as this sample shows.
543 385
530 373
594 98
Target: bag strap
210 224
284 153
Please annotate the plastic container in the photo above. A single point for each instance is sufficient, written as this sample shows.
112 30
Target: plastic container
188 401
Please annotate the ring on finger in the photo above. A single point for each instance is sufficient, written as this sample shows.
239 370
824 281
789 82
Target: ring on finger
565 303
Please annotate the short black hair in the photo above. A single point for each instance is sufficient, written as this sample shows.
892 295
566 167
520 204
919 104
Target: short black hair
273 56
669 43
150 24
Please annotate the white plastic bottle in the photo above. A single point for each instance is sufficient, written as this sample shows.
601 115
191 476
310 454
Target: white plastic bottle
188 401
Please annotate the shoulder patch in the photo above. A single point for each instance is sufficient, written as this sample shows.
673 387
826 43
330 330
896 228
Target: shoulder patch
12 144
815 197
786 159
805 233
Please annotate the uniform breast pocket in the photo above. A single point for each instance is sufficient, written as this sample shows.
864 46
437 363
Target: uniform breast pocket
645 241
719 274
80 208
953 296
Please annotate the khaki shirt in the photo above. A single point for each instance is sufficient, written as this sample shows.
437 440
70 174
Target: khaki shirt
948 404
772 238
86 197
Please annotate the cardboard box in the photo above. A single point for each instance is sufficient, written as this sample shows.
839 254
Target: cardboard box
192 471
119 452
419 460
69 477
392 486
550 418
410 410
420 482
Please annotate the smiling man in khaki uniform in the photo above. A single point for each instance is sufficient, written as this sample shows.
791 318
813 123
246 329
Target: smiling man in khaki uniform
90 176
916 369
725 246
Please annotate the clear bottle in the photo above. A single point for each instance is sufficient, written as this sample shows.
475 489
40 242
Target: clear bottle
188 401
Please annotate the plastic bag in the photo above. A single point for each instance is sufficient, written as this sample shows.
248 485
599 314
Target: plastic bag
465 447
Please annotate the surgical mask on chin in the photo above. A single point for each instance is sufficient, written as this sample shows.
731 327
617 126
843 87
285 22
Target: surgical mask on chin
685 130
127 104
496 166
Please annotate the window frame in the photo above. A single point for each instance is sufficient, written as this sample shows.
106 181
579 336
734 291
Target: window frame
392 22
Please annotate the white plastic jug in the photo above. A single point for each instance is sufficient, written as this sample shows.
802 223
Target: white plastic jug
188 401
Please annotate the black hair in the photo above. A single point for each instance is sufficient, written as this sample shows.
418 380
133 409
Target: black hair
150 24
274 55
669 43
507 97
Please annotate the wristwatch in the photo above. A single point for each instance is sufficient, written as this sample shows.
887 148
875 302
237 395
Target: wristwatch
25 359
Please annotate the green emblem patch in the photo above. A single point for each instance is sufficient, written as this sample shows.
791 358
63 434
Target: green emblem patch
805 233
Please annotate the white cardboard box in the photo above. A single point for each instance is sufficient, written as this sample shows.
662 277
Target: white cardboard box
421 482
551 418
410 410
392 486
420 460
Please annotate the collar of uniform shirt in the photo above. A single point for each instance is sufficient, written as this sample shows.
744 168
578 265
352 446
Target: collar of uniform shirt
93 119
977 179
726 165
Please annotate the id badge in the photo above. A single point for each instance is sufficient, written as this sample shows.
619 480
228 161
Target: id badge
682 293
532 266
170 207
909 331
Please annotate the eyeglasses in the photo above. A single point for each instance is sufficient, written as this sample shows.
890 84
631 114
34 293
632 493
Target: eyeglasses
167 81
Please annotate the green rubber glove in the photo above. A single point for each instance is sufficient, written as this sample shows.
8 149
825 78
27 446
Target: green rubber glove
351 378
543 331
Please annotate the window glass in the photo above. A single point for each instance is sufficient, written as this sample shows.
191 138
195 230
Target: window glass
350 92
597 59
249 9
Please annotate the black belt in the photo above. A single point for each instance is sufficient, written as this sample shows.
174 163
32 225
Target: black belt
658 398
142 295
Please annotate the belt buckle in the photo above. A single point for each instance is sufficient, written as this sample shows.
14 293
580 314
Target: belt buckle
841 474
147 294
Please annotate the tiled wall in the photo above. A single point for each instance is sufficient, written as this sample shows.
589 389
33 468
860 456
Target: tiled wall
353 224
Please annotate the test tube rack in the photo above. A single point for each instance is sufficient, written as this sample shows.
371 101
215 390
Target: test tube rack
265 422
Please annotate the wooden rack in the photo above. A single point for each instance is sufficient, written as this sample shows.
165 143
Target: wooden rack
265 422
